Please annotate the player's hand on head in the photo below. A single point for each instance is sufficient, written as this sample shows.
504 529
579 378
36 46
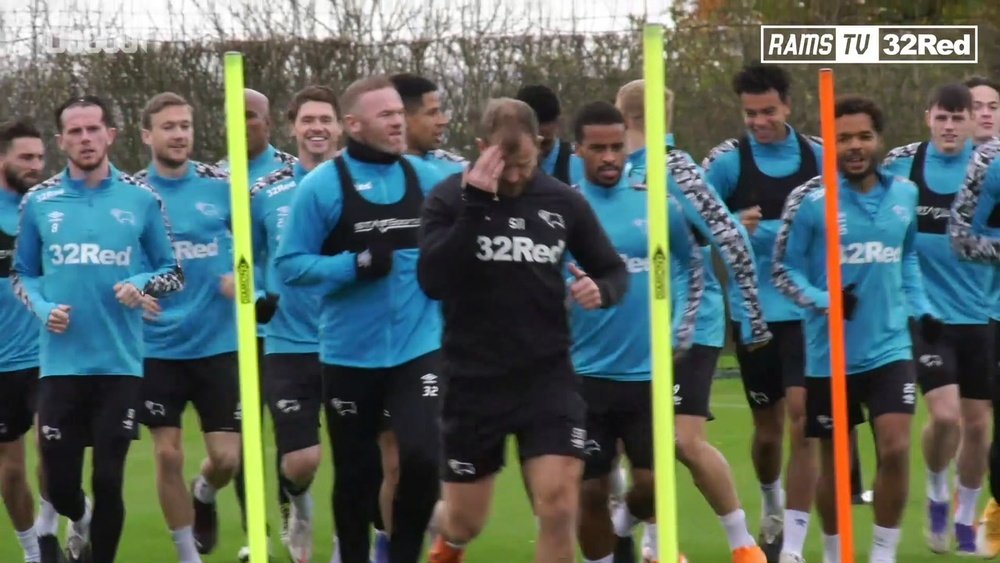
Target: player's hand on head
150 308
484 174
750 218
227 285
58 320
584 289
128 295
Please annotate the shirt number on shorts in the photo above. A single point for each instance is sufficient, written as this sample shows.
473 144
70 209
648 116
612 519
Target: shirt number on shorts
429 382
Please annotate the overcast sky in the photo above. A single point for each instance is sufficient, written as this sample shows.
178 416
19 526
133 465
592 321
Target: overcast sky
145 17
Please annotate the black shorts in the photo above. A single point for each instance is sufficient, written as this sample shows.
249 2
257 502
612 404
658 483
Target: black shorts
76 410
293 389
693 374
890 389
768 371
18 403
211 383
617 410
963 356
995 327
542 407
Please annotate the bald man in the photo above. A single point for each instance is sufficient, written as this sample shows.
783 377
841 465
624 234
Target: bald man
263 159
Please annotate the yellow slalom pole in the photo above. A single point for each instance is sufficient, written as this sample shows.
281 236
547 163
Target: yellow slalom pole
246 318
662 346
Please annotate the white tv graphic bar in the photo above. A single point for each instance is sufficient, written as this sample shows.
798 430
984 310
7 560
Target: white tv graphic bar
869 44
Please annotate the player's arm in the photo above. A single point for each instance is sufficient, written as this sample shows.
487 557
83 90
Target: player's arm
430 176
448 227
792 248
708 214
165 275
299 260
913 280
27 271
595 254
266 303
722 167
899 161
684 249
982 174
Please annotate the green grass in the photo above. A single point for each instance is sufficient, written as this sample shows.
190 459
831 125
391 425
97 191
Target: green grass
510 533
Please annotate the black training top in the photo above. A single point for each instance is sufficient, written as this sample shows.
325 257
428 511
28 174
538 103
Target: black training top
497 266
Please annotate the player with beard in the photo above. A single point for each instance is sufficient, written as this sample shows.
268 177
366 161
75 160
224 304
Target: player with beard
22 157
190 337
954 374
492 250
611 348
426 123
293 383
353 238
93 245
882 289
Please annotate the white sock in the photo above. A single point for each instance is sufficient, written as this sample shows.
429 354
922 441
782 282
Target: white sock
203 491
831 548
29 544
884 542
47 523
183 538
623 521
796 529
735 524
968 498
649 538
937 485
773 495
84 521
303 505
606 559
336 551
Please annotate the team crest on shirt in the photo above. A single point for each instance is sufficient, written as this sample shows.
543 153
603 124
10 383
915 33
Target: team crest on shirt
900 212
552 219
123 217
207 209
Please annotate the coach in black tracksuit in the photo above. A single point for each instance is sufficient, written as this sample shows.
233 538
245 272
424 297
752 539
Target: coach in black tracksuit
493 250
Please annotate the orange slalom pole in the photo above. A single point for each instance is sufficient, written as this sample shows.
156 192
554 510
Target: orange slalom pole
838 362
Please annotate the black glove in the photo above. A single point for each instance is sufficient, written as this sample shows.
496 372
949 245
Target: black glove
850 301
375 261
930 329
265 307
